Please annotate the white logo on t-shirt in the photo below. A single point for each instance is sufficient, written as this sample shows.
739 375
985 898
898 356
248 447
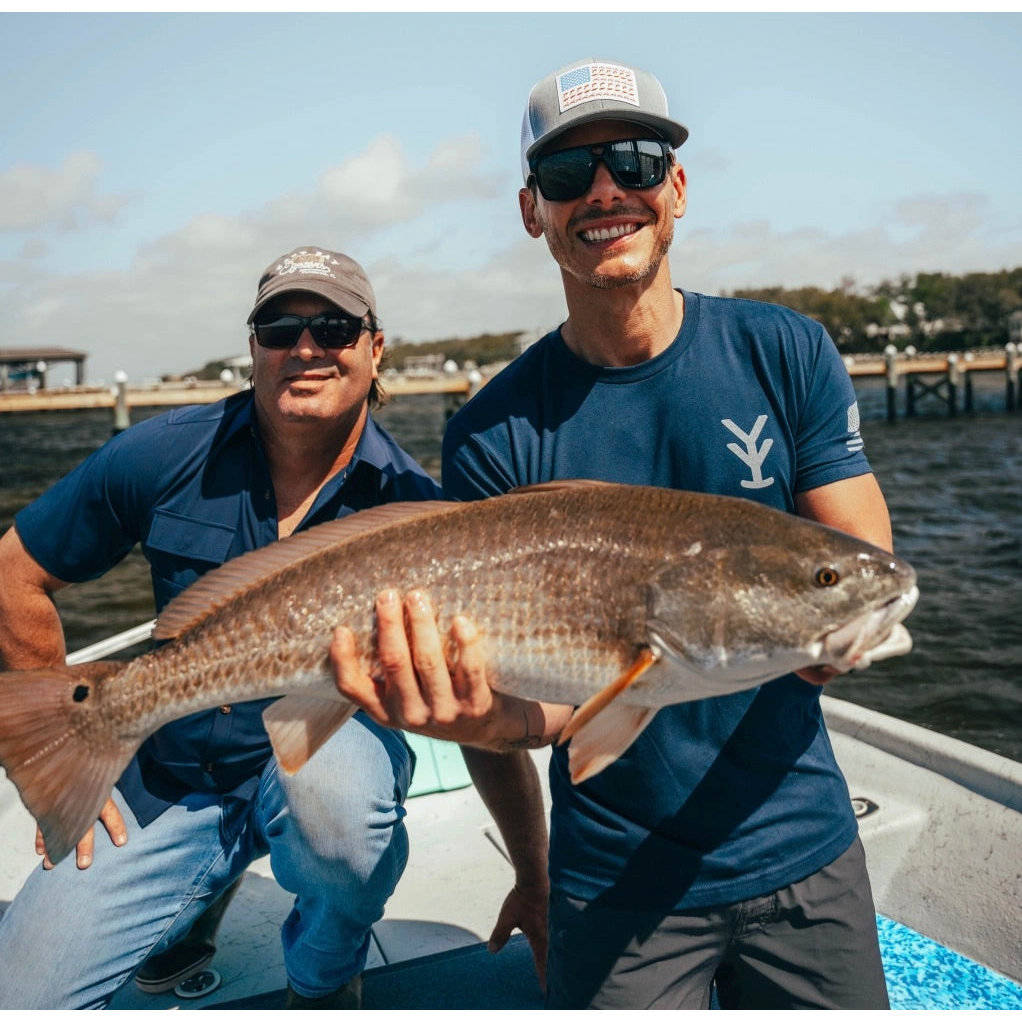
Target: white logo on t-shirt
752 455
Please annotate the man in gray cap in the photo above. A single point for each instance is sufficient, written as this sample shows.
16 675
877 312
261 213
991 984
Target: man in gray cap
720 852
203 798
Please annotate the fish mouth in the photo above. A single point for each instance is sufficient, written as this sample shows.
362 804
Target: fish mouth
873 636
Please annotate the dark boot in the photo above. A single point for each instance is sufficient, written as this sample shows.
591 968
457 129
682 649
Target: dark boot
191 954
347 997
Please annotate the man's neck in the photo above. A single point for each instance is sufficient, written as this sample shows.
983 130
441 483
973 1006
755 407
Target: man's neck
621 326
301 458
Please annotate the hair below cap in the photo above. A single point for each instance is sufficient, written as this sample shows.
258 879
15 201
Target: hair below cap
331 275
594 90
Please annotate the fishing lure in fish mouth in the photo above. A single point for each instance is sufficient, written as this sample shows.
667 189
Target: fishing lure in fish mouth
876 635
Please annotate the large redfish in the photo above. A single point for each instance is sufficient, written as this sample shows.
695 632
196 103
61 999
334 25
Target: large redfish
627 597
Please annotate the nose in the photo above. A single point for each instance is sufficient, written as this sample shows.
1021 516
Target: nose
604 188
306 347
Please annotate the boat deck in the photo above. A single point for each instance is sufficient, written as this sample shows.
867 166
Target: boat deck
955 950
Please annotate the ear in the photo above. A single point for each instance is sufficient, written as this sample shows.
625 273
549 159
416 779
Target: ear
680 186
527 204
378 343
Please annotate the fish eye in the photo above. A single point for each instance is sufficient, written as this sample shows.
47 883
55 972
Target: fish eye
827 577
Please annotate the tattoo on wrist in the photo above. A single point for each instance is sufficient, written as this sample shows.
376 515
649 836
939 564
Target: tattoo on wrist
528 740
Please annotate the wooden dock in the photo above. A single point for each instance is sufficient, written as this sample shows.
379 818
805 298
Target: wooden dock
202 392
942 376
945 377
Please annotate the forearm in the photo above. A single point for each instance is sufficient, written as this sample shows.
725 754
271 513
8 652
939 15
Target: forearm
509 785
31 634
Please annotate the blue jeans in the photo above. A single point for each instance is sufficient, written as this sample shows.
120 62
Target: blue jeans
336 838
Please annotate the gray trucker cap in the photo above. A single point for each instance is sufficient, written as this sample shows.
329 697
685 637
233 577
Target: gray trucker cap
594 90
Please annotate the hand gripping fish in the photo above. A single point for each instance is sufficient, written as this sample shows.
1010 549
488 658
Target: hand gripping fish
617 599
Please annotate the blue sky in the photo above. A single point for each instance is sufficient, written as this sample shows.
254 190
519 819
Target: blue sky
152 165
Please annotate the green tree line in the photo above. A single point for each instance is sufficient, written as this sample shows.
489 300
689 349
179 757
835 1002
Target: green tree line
930 311
483 350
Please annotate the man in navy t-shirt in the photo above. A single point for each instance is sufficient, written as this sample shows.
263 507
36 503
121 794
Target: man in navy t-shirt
720 851
203 797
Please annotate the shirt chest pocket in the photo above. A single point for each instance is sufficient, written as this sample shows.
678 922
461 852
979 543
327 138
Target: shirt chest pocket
180 549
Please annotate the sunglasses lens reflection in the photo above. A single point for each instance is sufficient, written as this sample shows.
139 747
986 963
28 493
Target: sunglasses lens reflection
569 174
328 331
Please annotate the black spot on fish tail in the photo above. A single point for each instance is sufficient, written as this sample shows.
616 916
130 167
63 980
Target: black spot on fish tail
62 770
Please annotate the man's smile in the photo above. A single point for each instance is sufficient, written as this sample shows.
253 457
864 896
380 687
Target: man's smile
608 233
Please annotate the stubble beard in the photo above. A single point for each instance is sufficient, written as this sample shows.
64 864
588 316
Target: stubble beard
608 281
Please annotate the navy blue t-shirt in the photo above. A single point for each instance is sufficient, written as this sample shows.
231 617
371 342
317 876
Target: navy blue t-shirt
726 798
193 488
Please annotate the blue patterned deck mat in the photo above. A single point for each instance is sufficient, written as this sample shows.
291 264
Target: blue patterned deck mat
923 974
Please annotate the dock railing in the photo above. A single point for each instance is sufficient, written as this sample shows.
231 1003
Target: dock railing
941 375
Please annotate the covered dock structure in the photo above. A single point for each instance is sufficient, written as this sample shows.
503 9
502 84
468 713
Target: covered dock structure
26 368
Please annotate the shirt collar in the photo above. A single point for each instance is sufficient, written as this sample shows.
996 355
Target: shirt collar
372 446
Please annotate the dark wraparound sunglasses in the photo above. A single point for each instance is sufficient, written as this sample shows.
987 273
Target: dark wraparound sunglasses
569 174
328 329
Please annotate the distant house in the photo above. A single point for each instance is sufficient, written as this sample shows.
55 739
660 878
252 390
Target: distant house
423 365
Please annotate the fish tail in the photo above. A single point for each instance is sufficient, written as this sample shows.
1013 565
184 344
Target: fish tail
48 748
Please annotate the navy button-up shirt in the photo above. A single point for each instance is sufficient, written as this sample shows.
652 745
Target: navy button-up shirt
193 488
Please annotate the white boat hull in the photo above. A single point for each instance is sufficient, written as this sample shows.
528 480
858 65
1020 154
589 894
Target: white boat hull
942 844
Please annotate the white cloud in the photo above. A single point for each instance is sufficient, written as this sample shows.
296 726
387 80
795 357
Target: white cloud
955 233
33 197
184 298
381 187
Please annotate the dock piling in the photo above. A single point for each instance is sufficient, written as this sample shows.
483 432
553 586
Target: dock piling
1011 371
122 419
891 372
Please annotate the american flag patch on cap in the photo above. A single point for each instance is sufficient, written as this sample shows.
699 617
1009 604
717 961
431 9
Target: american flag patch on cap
596 81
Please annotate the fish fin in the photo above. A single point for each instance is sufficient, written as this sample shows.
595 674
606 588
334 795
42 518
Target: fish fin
604 738
63 778
599 702
298 725
559 484
222 585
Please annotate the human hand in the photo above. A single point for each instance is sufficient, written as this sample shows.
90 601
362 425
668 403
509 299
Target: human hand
819 675
425 684
110 817
525 909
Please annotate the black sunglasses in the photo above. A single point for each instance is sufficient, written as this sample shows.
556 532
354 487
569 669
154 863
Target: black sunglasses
569 174
328 329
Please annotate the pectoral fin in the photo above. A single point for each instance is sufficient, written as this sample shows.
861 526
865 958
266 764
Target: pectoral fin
299 725
599 702
597 744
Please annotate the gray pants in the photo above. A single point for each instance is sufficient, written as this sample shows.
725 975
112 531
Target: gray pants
811 945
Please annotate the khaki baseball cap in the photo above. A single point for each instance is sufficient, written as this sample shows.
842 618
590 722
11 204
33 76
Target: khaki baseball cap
594 90
331 275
